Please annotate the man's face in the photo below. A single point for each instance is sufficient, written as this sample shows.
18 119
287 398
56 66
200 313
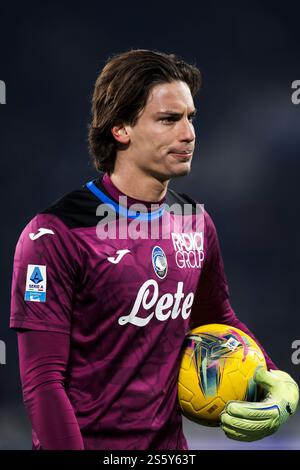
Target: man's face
163 139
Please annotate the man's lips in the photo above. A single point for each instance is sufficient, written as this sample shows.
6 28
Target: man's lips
181 153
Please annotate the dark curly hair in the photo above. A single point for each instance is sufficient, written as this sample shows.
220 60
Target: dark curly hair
121 92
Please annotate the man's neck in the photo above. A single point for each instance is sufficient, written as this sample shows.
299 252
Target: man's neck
139 185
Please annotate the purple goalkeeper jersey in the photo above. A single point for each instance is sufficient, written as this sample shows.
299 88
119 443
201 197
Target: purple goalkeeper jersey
127 303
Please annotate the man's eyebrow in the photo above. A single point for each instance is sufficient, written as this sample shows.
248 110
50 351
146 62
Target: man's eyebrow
174 113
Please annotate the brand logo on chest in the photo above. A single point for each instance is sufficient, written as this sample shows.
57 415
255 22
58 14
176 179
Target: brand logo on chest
164 307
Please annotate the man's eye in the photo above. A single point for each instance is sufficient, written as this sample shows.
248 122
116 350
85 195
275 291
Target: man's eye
168 120
172 119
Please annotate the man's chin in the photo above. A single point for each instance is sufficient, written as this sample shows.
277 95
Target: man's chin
182 169
174 171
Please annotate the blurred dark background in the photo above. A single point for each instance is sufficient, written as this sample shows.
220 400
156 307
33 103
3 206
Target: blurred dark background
245 170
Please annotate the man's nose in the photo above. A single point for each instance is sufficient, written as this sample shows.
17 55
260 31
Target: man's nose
187 131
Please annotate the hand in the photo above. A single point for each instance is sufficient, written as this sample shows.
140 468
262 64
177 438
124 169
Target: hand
247 421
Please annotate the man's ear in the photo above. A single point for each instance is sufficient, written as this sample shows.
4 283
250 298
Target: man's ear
120 133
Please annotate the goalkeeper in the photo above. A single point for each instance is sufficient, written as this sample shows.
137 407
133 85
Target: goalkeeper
101 318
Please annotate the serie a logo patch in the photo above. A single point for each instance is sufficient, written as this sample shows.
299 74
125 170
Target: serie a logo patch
36 283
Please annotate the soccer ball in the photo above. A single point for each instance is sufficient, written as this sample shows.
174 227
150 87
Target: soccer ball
217 365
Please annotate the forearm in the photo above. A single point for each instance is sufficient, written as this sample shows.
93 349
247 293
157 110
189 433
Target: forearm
224 313
230 318
53 418
43 359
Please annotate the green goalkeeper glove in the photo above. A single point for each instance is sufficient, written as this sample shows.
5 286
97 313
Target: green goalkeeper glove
246 421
